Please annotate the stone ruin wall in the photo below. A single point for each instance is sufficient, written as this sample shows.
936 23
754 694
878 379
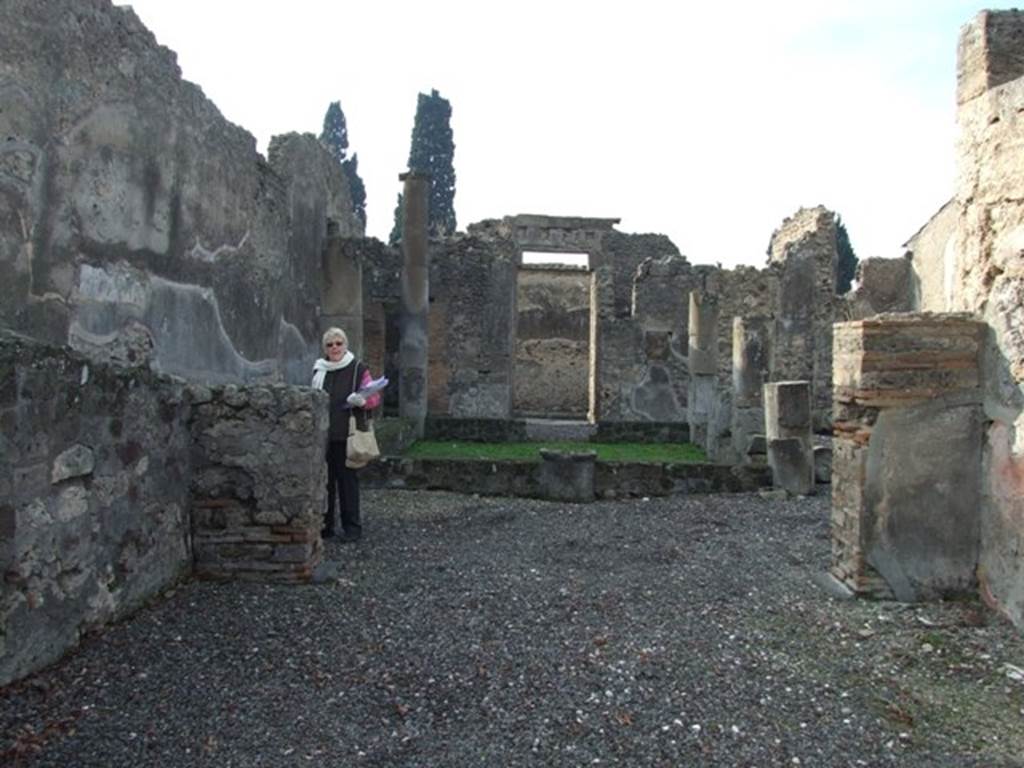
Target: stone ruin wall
551 370
93 496
136 223
471 321
115 482
988 280
804 250
959 450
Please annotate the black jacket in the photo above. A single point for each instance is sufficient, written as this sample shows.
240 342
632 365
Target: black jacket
338 384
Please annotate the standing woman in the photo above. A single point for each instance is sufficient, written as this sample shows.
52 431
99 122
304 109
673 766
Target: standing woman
340 375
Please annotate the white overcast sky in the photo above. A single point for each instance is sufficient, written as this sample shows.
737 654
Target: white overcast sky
706 122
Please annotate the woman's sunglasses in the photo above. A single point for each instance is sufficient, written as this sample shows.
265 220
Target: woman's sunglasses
335 344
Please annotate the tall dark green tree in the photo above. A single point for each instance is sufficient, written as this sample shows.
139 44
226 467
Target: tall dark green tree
396 231
356 187
433 151
334 137
846 268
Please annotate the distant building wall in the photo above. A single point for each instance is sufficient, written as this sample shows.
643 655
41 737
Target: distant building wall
552 342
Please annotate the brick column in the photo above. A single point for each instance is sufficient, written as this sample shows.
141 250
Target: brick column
259 481
907 455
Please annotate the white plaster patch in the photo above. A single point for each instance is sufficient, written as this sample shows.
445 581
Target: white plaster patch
118 286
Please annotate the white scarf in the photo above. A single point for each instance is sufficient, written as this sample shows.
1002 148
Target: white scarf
321 367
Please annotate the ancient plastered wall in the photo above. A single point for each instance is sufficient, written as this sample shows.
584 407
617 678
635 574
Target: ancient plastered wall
989 279
804 251
94 467
552 342
906 458
135 221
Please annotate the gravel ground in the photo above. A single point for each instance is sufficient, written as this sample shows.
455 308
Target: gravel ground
470 631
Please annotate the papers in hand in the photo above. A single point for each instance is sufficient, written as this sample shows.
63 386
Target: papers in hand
373 387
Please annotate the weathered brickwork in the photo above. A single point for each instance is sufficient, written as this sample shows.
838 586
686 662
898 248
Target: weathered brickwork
258 481
906 454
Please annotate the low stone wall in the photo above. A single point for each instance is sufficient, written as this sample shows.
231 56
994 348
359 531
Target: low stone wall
642 432
515 431
94 467
523 478
475 430
113 479
258 481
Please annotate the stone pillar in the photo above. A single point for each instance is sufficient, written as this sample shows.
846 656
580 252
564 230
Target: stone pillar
751 363
341 294
906 461
413 344
787 425
703 359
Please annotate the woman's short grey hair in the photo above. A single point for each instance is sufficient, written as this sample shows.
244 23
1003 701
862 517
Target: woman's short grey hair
331 334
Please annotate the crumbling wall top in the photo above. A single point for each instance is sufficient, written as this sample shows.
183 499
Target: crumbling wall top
990 52
805 223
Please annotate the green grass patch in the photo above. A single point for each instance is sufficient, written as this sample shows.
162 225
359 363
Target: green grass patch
650 453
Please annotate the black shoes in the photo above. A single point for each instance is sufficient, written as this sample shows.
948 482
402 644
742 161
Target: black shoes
350 537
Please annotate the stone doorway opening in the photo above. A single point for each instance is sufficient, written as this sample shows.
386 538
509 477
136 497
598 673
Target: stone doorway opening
552 374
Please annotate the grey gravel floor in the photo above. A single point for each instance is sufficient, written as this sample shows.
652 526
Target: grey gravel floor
503 632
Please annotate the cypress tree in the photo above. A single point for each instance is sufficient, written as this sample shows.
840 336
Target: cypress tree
432 151
334 137
846 267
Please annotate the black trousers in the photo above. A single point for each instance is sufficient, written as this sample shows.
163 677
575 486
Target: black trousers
343 486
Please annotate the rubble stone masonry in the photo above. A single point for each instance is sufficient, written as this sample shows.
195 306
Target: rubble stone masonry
115 482
94 466
258 481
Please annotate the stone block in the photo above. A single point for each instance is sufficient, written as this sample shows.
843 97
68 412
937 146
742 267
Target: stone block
76 461
567 476
791 464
